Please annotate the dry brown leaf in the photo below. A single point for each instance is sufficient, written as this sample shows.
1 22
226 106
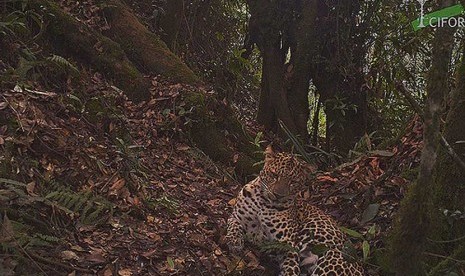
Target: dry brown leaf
117 185
96 258
125 272
6 231
69 255
30 188
326 178
3 105
232 202
108 271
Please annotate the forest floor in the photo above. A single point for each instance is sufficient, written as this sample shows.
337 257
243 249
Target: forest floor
159 206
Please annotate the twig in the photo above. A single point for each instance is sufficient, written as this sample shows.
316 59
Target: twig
16 113
51 262
418 110
444 257
448 241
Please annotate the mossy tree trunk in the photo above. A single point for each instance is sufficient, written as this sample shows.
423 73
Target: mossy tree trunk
449 183
145 49
72 38
126 51
409 237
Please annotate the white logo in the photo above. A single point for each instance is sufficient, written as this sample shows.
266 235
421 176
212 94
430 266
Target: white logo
422 13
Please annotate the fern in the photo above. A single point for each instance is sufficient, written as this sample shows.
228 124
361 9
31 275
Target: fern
12 182
170 204
39 239
90 209
62 63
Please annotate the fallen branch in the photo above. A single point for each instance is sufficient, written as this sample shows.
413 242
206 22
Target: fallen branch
404 91
41 259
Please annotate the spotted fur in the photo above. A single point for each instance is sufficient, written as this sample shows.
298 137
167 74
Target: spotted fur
268 209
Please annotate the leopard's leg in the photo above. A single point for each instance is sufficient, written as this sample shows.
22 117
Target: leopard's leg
235 234
290 264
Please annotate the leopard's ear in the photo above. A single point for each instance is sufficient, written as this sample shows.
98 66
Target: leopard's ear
269 153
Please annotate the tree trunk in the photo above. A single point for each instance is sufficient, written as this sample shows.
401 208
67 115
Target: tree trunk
338 74
73 38
170 22
449 181
151 55
274 95
145 49
408 240
302 56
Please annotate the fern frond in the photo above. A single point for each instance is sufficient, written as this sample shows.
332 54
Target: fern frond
63 63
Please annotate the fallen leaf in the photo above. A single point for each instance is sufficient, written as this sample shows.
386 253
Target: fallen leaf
117 185
326 178
232 202
382 153
3 105
150 219
125 272
370 213
7 230
69 255
96 258
170 262
30 188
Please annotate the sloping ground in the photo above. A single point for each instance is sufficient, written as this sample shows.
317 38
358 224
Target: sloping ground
168 200
159 206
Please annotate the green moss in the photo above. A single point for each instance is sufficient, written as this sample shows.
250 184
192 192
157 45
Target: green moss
409 233
207 131
381 258
70 37
143 47
410 173
446 266
196 100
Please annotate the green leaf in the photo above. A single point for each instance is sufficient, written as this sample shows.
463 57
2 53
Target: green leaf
372 230
366 250
370 213
296 142
170 262
351 232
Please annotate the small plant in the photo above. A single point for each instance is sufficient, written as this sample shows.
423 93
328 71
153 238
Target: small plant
164 202
366 250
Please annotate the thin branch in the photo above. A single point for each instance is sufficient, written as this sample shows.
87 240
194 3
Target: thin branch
41 259
404 91
448 241
444 257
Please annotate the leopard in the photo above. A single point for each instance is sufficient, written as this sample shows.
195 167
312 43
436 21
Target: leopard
273 208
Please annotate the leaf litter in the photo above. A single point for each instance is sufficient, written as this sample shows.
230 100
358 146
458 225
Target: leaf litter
171 202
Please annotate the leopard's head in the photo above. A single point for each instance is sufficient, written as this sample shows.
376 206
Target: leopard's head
283 175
